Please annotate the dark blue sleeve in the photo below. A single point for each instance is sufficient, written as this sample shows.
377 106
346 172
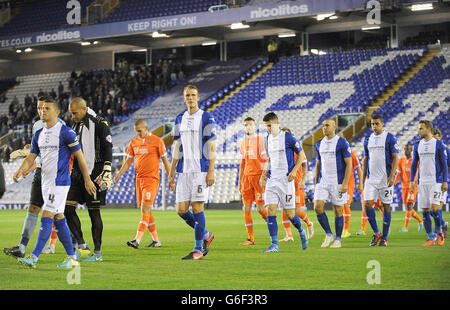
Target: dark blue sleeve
209 126
393 146
448 157
415 160
34 143
293 143
70 139
317 150
266 145
176 127
366 148
443 157
344 148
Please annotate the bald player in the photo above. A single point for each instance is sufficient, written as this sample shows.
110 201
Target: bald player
146 150
95 138
333 169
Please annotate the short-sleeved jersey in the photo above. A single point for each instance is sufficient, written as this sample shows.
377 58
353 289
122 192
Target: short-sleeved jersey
379 149
194 131
281 149
332 153
404 171
355 164
432 158
299 174
55 145
36 126
146 153
253 153
448 156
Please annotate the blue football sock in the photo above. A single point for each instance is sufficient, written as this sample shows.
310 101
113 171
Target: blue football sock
199 229
296 222
43 236
372 220
28 228
437 222
323 220
188 217
427 223
64 236
273 228
339 226
439 212
386 225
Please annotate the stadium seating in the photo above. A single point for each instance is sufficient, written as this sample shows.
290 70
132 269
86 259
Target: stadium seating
42 15
31 84
139 9
303 91
226 77
424 96
6 84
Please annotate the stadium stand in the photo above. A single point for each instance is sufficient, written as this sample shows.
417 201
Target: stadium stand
319 87
234 72
138 9
36 16
341 82
424 96
33 84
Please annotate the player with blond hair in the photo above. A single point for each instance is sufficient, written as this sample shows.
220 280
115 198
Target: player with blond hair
145 150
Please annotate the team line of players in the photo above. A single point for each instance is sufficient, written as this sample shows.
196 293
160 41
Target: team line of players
272 174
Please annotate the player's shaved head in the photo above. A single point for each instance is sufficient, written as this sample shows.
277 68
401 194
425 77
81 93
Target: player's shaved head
140 122
249 126
286 129
141 128
408 150
78 109
376 123
79 102
329 128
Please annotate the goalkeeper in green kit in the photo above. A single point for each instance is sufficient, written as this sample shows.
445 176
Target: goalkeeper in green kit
94 135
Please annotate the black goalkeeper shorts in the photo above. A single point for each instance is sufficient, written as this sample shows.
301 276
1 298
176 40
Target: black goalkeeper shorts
78 192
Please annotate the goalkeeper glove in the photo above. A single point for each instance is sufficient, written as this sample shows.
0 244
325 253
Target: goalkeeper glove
19 153
104 180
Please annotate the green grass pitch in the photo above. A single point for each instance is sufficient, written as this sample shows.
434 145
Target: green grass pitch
404 264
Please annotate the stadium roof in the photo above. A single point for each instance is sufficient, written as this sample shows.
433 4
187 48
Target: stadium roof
347 20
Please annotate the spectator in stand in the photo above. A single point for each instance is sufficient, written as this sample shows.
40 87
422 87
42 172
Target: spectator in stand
53 93
60 89
28 101
109 117
7 151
